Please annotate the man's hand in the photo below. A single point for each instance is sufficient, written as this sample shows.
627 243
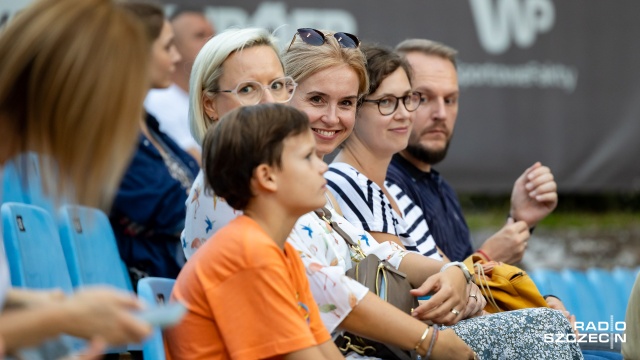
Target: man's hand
534 195
508 244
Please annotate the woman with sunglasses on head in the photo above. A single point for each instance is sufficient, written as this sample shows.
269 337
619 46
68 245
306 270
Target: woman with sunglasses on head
356 177
331 75
148 212
238 67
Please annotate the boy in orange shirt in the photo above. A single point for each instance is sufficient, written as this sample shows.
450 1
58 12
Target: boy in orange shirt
245 289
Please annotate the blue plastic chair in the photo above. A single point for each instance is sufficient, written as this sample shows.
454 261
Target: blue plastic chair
550 282
34 253
23 183
154 291
624 279
90 248
15 187
91 252
604 287
590 307
541 277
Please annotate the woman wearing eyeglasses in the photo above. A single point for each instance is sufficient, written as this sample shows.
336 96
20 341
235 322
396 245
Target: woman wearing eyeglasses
238 67
357 179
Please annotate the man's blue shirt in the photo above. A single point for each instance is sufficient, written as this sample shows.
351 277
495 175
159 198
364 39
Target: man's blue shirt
438 202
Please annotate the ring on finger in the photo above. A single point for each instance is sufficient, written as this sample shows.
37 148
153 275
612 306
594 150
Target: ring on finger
455 312
474 296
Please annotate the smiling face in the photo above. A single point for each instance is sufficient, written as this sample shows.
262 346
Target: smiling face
385 135
164 57
436 78
329 99
241 66
301 185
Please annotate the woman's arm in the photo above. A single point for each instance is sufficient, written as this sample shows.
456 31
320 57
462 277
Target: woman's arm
87 314
378 320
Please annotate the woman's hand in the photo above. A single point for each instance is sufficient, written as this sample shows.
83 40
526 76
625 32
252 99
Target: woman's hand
476 302
449 346
107 314
448 303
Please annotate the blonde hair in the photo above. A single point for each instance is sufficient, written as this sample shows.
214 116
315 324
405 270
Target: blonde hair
302 60
73 75
207 70
428 47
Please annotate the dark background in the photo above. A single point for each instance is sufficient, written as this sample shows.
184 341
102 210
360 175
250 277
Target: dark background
522 113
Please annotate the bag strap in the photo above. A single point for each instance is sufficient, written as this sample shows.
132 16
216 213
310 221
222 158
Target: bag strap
482 281
325 214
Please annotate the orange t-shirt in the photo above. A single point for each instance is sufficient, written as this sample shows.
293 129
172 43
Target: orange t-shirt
246 299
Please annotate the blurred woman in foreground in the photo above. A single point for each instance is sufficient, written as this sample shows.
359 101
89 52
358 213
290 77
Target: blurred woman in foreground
73 74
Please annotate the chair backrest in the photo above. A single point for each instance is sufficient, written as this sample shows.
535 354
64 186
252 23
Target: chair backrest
154 291
34 253
590 307
604 287
551 282
13 186
90 248
23 183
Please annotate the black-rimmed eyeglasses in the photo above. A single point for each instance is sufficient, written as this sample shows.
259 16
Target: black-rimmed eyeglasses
317 38
251 92
387 105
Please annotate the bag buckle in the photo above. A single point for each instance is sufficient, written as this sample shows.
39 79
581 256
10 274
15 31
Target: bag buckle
362 350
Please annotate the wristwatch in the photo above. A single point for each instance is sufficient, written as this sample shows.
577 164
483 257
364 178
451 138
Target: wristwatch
462 266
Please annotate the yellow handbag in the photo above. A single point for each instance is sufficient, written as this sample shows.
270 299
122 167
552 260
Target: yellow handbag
506 287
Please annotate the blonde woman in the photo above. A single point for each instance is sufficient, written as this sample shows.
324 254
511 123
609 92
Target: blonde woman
73 74
238 67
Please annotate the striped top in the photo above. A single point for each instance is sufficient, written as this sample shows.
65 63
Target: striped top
364 204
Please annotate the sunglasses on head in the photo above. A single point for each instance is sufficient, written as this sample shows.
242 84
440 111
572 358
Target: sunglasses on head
317 38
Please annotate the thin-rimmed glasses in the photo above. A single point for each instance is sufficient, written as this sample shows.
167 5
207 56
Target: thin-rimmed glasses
387 105
251 92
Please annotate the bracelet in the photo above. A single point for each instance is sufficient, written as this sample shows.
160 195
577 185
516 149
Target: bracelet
433 341
462 266
483 254
424 336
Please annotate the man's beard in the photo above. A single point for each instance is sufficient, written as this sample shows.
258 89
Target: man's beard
428 156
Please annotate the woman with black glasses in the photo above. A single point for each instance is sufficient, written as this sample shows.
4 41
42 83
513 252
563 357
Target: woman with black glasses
357 179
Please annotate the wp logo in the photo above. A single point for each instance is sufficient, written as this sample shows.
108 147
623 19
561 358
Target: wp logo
500 23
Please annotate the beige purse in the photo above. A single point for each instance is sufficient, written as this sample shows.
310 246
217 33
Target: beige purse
383 280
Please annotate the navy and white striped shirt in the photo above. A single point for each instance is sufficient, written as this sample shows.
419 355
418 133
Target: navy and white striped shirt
364 204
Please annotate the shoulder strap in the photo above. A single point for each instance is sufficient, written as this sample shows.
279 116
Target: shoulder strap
325 214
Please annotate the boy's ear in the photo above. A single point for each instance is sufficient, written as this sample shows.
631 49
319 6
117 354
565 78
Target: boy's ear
209 106
265 178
